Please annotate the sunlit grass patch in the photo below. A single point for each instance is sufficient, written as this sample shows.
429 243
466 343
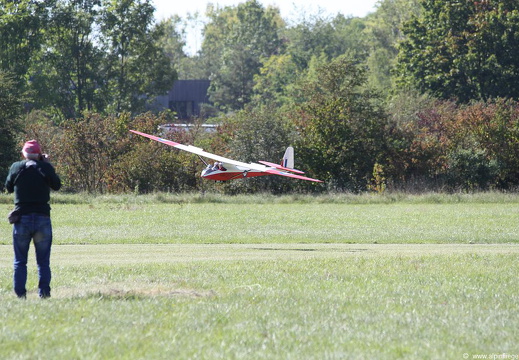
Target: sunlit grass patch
283 223
265 198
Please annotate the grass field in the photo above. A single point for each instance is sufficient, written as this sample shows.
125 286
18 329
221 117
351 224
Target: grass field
290 278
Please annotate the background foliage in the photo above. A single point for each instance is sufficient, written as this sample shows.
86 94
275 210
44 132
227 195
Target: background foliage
419 95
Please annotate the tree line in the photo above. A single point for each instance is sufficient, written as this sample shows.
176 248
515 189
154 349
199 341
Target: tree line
420 95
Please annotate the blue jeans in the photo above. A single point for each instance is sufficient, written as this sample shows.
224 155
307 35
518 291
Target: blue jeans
38 228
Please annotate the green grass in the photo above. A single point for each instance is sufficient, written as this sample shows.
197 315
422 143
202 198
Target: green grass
330 198
279 222
280 278
315 301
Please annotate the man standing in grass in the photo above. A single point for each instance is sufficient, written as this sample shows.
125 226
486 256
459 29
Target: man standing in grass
31 180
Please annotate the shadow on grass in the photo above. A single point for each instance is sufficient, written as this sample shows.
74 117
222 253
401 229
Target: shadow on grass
310 249
136 294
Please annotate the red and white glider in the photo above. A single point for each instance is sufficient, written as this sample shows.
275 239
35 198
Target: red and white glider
228 169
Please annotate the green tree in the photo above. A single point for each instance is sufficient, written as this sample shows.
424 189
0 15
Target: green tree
188 66
462 50
383 33
275 79
244 36
215 31
314 37
341 126
21 24
173 42
331 37
11 105
67 74
307 39
137 68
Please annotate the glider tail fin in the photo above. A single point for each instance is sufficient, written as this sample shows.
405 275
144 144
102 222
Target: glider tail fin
287 164
288 158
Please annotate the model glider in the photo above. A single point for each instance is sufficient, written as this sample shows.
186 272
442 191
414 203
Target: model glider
227 169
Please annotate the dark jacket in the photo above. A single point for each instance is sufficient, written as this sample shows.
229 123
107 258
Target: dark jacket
31 186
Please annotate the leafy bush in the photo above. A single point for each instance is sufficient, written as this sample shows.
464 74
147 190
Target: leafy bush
340 126
471 169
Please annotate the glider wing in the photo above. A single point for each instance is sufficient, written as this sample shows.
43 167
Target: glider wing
277 166
240 165
201 152
287 174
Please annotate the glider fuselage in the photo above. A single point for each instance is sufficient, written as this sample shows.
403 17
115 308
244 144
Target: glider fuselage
224 172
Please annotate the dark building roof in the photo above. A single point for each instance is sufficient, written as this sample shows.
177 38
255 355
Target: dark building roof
185 98
190 90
